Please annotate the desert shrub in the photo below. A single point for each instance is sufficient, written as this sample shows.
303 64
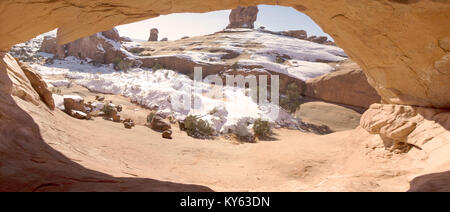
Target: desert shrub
280 60
235 66
243 133
157 66
56 91
146 54
262 128
108 109
137 50
150 117
122 65
197 127
291 101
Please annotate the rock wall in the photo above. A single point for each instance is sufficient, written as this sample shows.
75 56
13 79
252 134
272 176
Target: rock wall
399 44
103 47
348 85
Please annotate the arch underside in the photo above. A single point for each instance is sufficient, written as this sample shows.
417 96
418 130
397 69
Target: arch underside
396 42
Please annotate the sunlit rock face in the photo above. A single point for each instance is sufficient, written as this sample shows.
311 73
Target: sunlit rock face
243 17
399 44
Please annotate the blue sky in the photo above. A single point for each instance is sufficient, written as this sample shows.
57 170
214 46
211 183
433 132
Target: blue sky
175 26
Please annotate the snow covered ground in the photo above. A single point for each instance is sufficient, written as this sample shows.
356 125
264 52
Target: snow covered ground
158 89
305 59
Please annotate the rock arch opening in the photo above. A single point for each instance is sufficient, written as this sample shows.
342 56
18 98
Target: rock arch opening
407 65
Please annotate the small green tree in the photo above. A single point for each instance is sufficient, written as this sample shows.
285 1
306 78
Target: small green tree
157 66
235 66
122 65
262 128
150 117
107 109
292 99
197 127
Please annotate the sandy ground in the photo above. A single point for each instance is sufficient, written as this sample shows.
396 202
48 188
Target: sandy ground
294 161
337 117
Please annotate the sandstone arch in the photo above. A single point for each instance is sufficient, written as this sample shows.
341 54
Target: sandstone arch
395 41
403 46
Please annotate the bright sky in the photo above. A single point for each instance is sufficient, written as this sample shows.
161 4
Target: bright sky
176 26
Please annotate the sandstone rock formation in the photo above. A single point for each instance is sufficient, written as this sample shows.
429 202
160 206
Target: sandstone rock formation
243 17
400 125
28 163
405 63
74 103
13 74
39 85
159 124
167 134
100 48
398 63
128 123
347 86
153 35
300 34
318 39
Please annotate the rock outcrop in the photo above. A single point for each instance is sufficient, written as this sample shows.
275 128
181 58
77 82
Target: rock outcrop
347 86
153 35
243 17
103 47
398 63
39 85
400 125
300 34
29 163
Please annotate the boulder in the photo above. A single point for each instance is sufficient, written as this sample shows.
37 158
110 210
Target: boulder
128 123
112 34
300 34
167 134
125 39
165 39
80 115
39 85
153 35
319 40
243 17
347 86
160 124
74 103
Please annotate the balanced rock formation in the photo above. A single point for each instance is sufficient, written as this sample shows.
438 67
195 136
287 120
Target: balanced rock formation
347 86
153 35
243 17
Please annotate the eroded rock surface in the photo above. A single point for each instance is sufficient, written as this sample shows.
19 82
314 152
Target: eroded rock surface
400 124
243 17
347 86
398 57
